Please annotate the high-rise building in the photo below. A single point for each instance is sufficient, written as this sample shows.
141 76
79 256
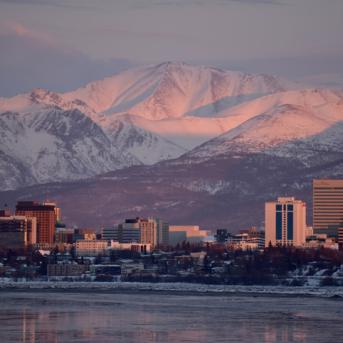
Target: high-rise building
129 231
12 224
162 232
285 221
340 238
327 204
148 229
13 232
46 218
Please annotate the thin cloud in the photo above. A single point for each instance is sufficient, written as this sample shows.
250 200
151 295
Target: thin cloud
152 3
140 4
19 30
23 31
51 3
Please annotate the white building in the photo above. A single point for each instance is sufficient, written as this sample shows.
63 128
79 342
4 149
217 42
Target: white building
91 247
186 233
285 221
137 247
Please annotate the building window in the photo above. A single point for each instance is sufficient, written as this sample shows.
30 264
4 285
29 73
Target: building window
278 225
289 226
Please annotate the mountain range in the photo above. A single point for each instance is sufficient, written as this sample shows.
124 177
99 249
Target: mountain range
191 144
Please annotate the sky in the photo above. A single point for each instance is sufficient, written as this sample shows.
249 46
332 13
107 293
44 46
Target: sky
60 44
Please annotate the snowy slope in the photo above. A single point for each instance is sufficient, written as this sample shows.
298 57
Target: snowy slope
154 113
180 102
147 147
55 145
177 101
274 120
172 90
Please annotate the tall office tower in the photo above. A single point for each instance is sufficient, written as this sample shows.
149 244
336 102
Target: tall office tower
129 231
162 232
148 229
15 222
327 204
13 232
285 221
45 216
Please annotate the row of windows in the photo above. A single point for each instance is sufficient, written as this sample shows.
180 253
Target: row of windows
279 226
283 207
327 188
328 211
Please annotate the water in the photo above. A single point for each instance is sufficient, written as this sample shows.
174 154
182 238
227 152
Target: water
69 317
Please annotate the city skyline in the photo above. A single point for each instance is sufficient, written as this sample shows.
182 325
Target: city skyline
171 171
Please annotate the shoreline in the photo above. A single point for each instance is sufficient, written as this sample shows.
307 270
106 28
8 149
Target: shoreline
180 289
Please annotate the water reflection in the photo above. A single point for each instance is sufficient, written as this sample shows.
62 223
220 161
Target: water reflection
146 318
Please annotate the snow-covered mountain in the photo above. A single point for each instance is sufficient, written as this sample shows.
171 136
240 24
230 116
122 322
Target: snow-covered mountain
178 101
173 90
146 146
155 113
54 145
292 117
140 116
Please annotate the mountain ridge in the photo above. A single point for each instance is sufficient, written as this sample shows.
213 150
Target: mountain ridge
150 114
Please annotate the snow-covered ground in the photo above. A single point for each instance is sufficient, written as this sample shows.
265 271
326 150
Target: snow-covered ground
175 287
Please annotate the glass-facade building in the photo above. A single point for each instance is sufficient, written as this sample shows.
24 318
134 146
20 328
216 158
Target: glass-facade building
327 204
285 221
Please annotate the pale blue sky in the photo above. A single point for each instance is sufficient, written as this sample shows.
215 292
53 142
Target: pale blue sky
60 44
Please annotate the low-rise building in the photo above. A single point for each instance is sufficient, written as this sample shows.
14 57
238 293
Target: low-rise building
91 247
137 247
84 234
105 272
66 270
64 235
222 235
129 267
321 240
191 233
247 239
